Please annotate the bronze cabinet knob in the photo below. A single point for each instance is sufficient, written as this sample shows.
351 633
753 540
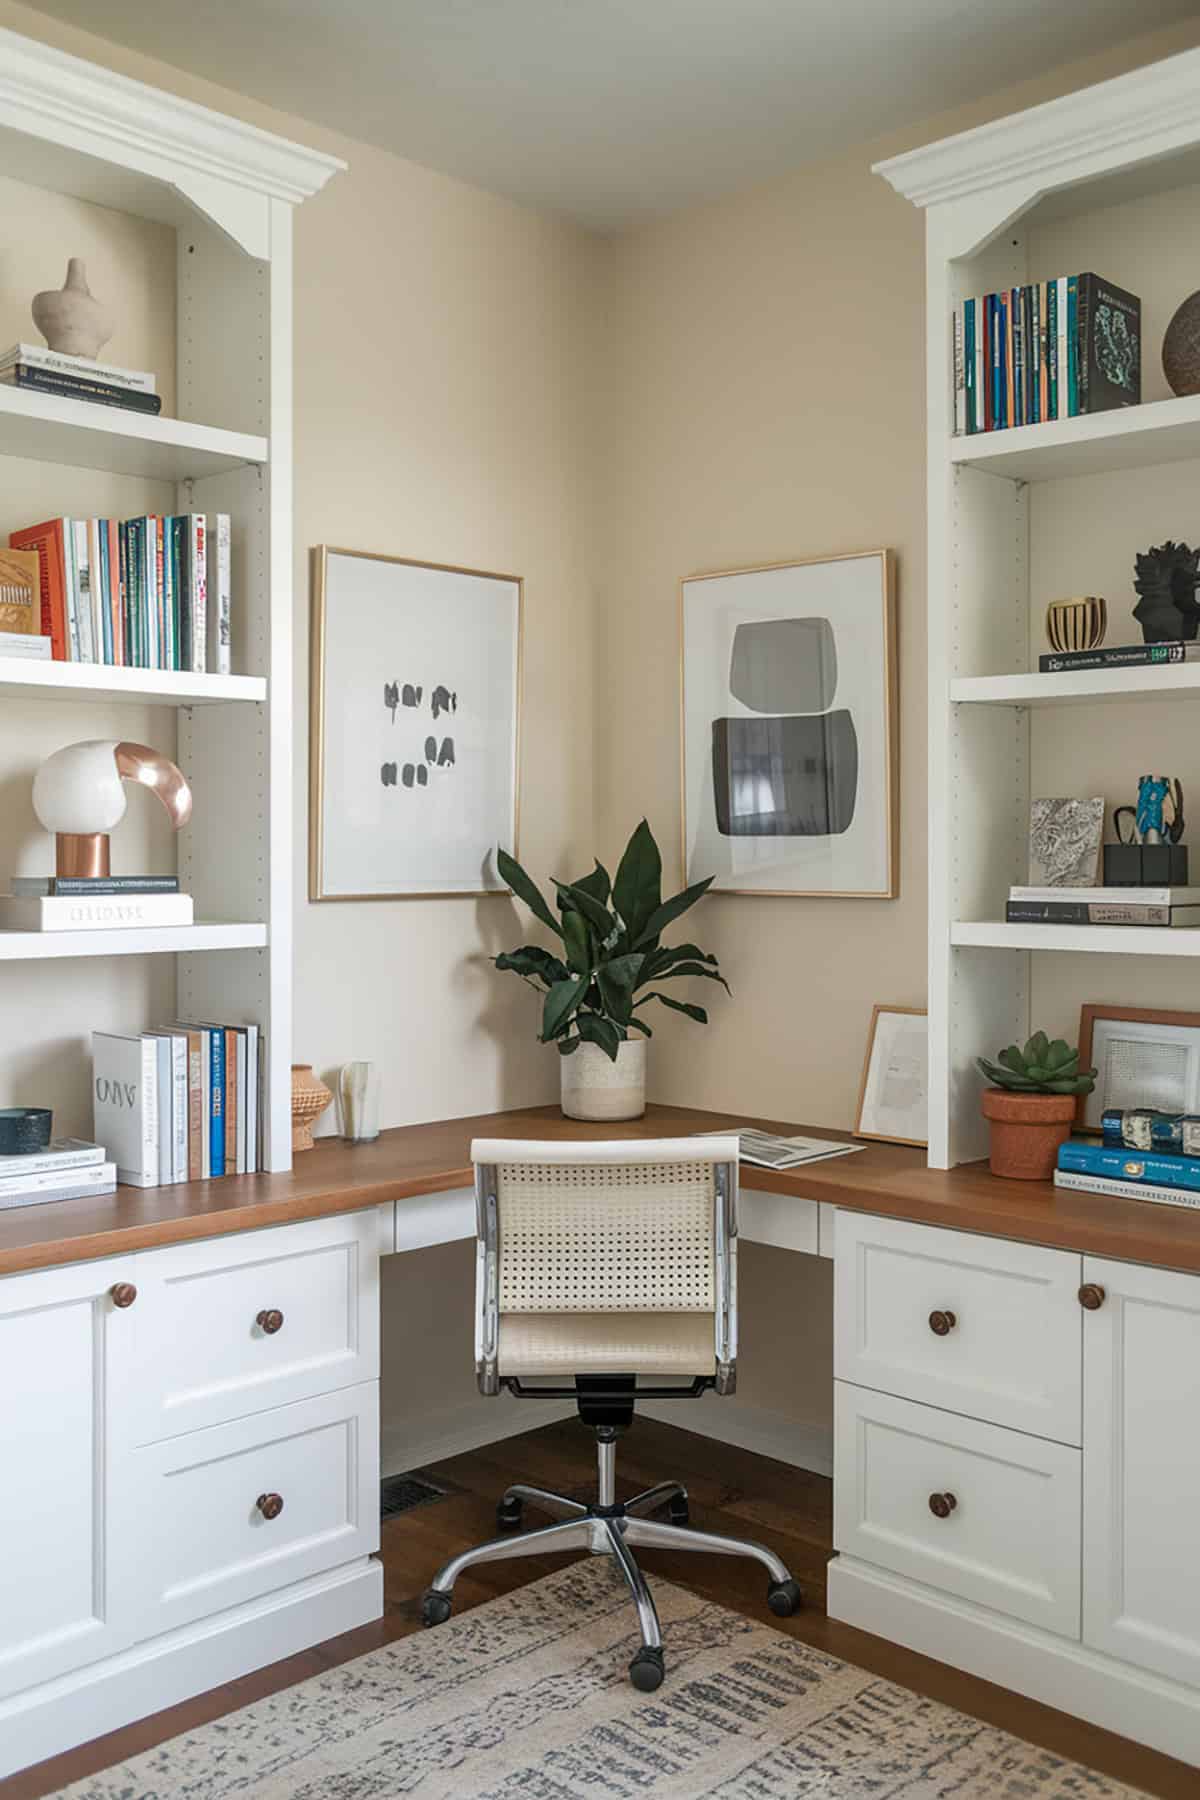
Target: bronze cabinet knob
270 1505
269 1320
1091 1296
122 1293
942 1323
942 1505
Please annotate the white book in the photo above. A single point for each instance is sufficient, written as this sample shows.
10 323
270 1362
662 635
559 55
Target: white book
27 645
39 356
1127 1190
1064 408
150 590
106 912
252 1161
1111 896
175 1155
979 365
71 594
220 600
49 1178
960 376
96 590
72 1184
83 591
205 1032
125 1104
198 589
63 1153
241 1160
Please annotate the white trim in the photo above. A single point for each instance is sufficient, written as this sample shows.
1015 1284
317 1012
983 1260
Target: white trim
462 1428
1057 1671
52 1717
755 1428
1147 113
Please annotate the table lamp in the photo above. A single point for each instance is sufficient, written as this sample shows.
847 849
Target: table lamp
78 794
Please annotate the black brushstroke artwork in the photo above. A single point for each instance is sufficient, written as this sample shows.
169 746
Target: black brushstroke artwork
430 749
442 700
446 754
387 774
411 695
391 697
443 756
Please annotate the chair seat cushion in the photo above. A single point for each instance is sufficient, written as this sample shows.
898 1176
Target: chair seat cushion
567 1344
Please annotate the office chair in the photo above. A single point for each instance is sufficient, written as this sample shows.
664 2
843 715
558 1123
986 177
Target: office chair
605 1263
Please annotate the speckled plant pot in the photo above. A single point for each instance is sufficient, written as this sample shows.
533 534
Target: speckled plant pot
1026 1132
595 1088
310 1097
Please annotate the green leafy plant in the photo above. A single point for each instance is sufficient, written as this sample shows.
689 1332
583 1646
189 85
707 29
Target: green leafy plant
1042 1067
611 954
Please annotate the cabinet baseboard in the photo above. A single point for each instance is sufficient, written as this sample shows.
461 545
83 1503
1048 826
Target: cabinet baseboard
415 1444
57 1715
1057 1671
749 1428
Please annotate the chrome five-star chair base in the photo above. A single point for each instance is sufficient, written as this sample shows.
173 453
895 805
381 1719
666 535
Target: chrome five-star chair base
610 1528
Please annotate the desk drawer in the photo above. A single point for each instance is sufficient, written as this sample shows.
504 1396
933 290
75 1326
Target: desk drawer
209 1359
976 1324
206 1542
990 1515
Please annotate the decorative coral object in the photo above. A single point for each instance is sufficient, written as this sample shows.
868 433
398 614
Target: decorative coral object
310 1097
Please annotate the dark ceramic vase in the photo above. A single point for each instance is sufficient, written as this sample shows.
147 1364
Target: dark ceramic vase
1181 348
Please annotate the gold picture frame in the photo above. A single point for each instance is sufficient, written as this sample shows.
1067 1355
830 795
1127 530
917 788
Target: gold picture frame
889 888
318 890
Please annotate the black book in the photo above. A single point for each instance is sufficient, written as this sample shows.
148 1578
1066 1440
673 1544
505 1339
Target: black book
1110 346
75 387
1118 656
32 886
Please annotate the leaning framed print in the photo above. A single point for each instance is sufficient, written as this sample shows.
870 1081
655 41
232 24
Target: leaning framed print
788 704
1143 1056
415 727
893 1096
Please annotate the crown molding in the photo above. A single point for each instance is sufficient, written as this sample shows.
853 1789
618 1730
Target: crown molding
1146 113
47 93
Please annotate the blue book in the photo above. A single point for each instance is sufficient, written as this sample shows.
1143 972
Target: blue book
1072 347
216 1120
1016 300
1149 1168
1003 340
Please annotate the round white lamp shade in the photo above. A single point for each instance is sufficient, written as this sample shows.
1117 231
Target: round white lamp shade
78 790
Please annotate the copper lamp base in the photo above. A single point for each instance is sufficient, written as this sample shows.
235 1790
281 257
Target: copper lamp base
82 854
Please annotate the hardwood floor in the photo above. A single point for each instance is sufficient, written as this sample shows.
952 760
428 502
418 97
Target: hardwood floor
732 1491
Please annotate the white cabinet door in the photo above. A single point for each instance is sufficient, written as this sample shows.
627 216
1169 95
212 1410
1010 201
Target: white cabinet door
976 1324
1141 1468
68 1359
259 1319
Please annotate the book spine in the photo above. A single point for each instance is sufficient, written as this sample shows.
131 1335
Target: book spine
960 374
71 561
150 1111
184 543
47 541
52 1162
1072 346
179 1070
1130 1165
168 594
1074 912
77 1188
39 356
1083 326
994 342
87 886
220 662
73 387
1064 384
1125 1190
252 1100
1120 656
217 1102
96 591
1016 329
199 592
160 596
195 1121
231 1100
980 365
969 366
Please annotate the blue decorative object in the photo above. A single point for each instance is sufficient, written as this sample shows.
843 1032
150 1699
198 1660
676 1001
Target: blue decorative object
1151 825
24 1129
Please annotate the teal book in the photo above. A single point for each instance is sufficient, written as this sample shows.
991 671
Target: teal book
1072 346
1052 348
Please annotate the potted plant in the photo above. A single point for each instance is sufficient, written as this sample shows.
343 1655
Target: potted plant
610 962
1031 1105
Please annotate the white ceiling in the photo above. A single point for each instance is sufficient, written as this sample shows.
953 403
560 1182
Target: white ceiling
612 111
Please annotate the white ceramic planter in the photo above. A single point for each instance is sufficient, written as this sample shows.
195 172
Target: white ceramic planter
595 1088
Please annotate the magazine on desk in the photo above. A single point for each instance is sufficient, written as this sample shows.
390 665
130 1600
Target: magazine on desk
767 1151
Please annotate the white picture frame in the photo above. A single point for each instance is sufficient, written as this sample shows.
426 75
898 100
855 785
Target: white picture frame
789 726
415 727
893 1096
1142 1057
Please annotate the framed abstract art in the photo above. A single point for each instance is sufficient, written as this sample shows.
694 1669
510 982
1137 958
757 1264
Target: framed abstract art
790 780
415 718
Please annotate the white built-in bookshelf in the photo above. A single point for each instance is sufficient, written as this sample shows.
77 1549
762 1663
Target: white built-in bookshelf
1108 180
227 192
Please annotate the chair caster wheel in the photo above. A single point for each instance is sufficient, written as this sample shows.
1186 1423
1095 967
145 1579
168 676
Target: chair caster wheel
646 1671
436 1606
509 1514
678 1513
785 1597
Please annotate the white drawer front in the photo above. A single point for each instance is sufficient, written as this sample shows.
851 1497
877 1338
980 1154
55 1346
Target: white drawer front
204 1541
207 1357
1007 1530
1013 1353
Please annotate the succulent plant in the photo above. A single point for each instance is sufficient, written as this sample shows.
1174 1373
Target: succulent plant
1042 1067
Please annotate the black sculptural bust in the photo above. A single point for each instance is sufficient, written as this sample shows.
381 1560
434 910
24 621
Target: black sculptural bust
1166 579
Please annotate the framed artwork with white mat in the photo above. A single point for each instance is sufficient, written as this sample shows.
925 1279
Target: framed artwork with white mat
1143 1056
893 1097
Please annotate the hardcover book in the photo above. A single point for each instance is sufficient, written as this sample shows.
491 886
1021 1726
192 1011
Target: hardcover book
125 1103
114 912
70 1184
1126 1190
1130 1165
1109 346
74 387
1119 656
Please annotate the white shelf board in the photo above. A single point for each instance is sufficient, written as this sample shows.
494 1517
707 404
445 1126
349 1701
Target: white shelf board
1131 438
1161 682
1119 940
22 679
25 946
48 428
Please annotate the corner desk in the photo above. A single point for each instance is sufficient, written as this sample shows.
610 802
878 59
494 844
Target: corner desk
189 1422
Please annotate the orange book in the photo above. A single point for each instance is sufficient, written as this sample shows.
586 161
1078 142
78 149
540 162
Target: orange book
47 540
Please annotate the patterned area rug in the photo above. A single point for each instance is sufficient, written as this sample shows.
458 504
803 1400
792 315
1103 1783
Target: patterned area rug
527 1698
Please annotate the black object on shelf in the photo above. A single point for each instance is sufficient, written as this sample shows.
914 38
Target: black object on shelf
24 1129
1145 865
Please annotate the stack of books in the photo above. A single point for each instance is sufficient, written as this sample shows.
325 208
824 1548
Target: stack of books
78 378
1175 906
180 1103
1049 350
1121 656
147 593
1168 1180
67 1169
93 903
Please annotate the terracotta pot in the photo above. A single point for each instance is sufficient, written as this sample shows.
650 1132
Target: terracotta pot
1026 1132
593 1087
310 1097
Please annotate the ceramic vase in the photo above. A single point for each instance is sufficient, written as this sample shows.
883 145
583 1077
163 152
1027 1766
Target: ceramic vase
593 1087
70 318
1181 348
1078 624
358 1098
1027 1130
310 1097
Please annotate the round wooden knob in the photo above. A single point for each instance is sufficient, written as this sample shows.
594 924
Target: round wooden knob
122 1293
270 1505
1091 1296
269 1320
942 1505
942 1323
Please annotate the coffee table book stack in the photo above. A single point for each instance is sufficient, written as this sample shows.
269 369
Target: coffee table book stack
93 903
1177 907
67 1169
